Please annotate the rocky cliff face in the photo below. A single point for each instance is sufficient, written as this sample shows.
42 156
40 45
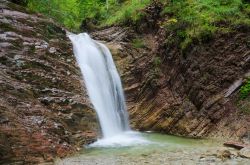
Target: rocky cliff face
44 112
195 94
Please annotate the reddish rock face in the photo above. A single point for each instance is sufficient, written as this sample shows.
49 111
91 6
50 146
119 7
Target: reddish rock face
194 95
44 111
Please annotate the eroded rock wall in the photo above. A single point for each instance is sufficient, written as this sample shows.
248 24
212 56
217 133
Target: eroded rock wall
195 94
44 111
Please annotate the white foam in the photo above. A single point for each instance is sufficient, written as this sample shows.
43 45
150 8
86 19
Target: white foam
125 139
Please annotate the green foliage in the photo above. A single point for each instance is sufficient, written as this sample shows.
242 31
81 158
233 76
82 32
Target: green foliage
156 66
157 61
191 20
245 90
198 20
128 12
244 100
138 43
64 12
68 12
71 13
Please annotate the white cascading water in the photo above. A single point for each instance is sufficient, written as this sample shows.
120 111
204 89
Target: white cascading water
105 91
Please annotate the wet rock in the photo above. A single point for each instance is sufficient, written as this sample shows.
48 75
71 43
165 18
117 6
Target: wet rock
224 154
46 100
245 152
236 145
68 60
233 87
41 45
4 119
52 50
36 94
195 95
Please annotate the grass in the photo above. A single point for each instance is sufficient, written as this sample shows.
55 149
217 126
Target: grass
191 19
66 12
138 43
244 106
72 13
128 12
244 98
157 61
198 20
245 90
156 66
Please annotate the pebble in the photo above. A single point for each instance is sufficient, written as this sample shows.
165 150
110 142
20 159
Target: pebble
52 50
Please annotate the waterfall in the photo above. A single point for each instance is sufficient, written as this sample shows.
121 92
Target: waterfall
102 82
104 89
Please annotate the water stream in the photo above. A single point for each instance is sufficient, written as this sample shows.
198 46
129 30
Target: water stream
104 88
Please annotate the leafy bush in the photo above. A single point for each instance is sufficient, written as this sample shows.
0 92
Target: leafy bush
71 13
200 19
191 20
129 11
245 90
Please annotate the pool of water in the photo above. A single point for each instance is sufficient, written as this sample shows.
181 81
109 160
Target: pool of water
160 149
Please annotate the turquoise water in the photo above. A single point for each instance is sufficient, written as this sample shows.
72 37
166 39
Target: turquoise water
160 149
156 142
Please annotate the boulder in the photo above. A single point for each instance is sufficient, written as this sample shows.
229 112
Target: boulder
245 152
236 145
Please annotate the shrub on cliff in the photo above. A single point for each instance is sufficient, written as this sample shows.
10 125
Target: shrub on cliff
198 20
245 90
194 19
68 12
72 13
